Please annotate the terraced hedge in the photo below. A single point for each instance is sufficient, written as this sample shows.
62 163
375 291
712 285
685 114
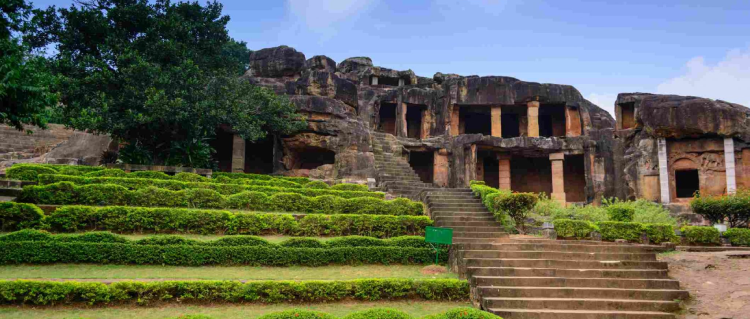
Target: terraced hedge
22 292
30 172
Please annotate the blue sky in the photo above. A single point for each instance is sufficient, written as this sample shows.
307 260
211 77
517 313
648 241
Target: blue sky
680 47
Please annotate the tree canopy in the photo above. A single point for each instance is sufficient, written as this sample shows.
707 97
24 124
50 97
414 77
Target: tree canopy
25 96
159 76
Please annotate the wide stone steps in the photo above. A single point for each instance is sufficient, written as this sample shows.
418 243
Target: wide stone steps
564 264
581 292
452 224
578 248
441 219
494 234
559 255
568 273
577 314
575 304
464 240
577 282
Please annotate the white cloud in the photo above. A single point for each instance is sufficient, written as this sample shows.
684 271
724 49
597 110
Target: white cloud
728 80
605 101
323 15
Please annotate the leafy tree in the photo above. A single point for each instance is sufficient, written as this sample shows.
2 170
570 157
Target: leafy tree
158 75
517 206
25 97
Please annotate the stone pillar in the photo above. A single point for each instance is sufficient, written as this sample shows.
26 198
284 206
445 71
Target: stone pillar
663 171
532 112
504 171
401 82
558 179
238 154
374 80
495 116
480 169
729 165
440 170
454 120
401 125
470 162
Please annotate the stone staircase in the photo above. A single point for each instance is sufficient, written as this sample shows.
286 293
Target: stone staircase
10 189
394 174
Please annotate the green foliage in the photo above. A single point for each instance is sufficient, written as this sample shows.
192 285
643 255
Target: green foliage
303 243
160 76
28 172
25 78
114 172
317 185
620 212
620 230
145 293
574 228
464 313
192 221
738 236
191 177
350 187
517 206
379 313
240 240
16 216
735 209
660 233
704 235
297 314
150 175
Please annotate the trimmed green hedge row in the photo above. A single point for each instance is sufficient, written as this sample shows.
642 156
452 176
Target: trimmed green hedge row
65 193
166 240
298 180
610 231
30 172
21 292
16 216
738 236
704 235
40 252
123 219
139 183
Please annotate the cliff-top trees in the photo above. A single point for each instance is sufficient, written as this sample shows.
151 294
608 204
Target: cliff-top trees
158 75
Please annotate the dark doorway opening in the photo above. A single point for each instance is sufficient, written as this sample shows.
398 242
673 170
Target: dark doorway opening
476 120
311 157
388 81
686 182
414 121
531 174
422 163
387 115
259 156
574 172
552 120
627 112
222 144
510 125
491 169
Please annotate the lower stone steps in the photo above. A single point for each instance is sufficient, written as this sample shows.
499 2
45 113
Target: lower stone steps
577 314
580 303
558 255
568 273
564 264
577 282
581 292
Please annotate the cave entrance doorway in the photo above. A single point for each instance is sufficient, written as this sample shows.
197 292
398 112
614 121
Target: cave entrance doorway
259 156
687 182
512 119
387 115
552 120
627 112
414 113
491 168
475 120
312 157
531 174
574 172
423 163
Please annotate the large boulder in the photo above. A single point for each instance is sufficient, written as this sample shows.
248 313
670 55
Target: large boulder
322 105
322 83
276 62
354 64
320 62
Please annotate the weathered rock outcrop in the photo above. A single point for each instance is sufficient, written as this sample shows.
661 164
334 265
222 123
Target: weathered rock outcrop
276 62
322 83
320 62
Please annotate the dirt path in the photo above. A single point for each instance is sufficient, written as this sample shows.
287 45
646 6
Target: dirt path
719 286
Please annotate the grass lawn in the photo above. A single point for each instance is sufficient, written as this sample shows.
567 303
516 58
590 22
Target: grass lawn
415 308
90 271
271 238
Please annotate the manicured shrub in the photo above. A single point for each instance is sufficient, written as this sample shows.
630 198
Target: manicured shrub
158 197
660 233
517 206
102 194
704 235
150 175
327 204
28 172
204 198
290 202
350 187
619 212
303 243
93 237
16 216
144 293
620 230
356 241
408 241
69 171
113 172
317 185
379 313
166 240
27 235
240 240
734 208
191 177
297 314
574 228
249 201
464 313
738 236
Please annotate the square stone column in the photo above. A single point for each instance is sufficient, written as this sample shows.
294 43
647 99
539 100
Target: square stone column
504 171
480 169
532 112
238 154
401 124
558 179
374 80
455 118
663 171
495 116
440 169
729 165
401 82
